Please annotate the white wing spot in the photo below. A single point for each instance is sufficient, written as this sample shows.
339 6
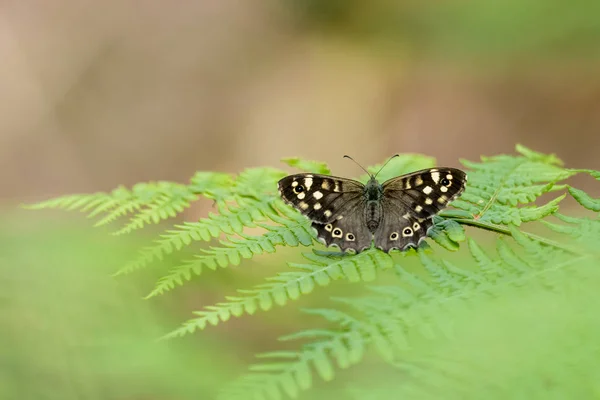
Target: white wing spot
328 227
428 201
308 182
317 195
301 195
416 226
407 185
336 187
418 181
317 206
407 215
339 217
418 209
294 184
427 190
435 176
303 205
327 213
442 199
325 185
444 189
449 177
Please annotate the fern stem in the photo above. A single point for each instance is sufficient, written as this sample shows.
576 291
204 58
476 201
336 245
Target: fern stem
505 231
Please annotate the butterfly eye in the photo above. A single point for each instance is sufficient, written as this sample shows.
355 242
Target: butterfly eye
299 189
445 182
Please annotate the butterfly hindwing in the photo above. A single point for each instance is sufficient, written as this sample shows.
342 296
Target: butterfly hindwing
321 198
401 228
348 233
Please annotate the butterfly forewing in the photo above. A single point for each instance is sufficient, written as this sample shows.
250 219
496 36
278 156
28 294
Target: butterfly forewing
426 192
321 198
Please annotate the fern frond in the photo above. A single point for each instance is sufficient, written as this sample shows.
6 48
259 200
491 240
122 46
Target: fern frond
257 182
293 231
93 204
499 184
290 286
585 199
230 220
447 233
212 185
317 167
294 371
152 201
421 305
582 232
82 202
160 201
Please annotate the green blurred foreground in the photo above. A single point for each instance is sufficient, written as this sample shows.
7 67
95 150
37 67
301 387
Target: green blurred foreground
70 331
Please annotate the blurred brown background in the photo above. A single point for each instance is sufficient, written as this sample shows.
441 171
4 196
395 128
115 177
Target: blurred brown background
94 94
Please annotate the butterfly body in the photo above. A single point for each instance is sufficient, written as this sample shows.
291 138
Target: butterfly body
395 215
373 210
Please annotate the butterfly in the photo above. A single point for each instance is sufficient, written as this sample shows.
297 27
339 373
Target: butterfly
396 215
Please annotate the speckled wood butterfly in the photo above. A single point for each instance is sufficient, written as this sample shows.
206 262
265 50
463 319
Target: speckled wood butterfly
396 214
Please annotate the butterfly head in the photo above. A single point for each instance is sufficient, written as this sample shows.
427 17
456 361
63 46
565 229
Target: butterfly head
373 190
372 178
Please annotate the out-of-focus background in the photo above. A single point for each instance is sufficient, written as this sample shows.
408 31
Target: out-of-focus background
94 94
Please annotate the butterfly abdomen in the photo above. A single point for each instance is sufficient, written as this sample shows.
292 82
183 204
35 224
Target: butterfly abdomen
373 210
373 215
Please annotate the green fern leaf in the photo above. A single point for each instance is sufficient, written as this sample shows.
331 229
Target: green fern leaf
230 220
499 184
213 185
585 200
290 286
583 233
316 167
234 250
257 182
72 202
162 201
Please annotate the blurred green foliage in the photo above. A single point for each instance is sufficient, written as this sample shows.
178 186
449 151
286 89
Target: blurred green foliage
463 28
70 331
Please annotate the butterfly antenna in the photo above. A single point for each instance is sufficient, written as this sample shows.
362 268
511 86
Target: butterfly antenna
386 163
363 168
